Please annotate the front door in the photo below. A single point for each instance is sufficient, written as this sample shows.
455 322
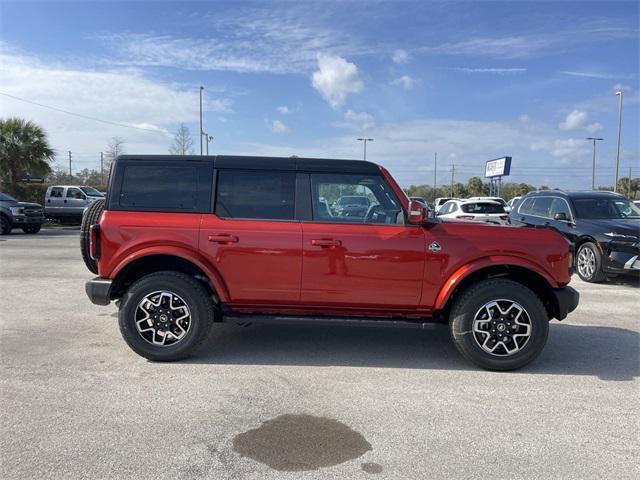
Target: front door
363 258
253 239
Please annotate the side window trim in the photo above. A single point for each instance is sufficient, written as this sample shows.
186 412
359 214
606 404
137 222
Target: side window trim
545 196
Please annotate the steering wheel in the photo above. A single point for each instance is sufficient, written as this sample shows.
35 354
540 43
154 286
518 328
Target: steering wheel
374 213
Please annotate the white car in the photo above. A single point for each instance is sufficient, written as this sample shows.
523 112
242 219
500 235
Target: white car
513 201
501 201
440 201
487 211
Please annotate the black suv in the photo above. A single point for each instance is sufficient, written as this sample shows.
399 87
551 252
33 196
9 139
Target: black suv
15 214
604 228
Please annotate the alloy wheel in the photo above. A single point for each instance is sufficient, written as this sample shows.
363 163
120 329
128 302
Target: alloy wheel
586 262
501 327
162 318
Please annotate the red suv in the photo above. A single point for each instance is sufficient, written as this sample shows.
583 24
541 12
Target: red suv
184 242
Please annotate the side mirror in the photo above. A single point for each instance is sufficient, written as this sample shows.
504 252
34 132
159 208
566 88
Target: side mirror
418 213
561 216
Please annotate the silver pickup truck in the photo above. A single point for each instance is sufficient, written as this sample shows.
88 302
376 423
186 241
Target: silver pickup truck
66 203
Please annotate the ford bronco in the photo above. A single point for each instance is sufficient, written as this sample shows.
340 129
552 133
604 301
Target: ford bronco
181 243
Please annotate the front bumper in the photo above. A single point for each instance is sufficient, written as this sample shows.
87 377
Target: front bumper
567 299
99 290
621 257
27 220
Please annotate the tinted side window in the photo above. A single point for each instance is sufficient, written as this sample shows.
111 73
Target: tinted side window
560 206
266 195
162 187
541 206
525 206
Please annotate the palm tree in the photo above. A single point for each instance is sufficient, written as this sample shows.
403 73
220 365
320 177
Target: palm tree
24 150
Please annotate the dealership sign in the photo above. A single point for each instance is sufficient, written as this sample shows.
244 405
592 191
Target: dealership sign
498 167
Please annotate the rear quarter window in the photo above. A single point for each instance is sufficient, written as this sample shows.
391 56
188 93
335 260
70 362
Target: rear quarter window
164 187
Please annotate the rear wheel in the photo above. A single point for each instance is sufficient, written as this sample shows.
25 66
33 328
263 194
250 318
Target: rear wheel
165 316
499 325
32 229
589 263
5 225
90 217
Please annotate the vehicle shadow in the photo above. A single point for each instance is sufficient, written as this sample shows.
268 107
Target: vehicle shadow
625 280
609 353
44 233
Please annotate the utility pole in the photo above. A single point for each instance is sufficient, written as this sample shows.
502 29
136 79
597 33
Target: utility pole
453 169
593 162
70 163
629 185
435 171
619 94
201 131
208 138
101 168
365 140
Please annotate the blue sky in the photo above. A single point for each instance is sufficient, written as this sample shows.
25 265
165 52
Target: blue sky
472 81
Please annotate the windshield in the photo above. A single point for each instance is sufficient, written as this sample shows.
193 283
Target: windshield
354 201
91 192
482 208
6 198
605 208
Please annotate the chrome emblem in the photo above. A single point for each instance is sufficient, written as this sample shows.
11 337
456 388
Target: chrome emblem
435 247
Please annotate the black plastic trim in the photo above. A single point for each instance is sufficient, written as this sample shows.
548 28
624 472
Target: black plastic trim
99 290
568 299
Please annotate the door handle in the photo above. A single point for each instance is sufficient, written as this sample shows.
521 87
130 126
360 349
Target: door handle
326 242
65 201
522 219
223 238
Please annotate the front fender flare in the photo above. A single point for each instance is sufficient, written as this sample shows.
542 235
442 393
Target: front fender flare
491 261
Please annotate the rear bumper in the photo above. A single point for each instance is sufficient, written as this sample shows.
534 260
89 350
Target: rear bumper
568 299
99 290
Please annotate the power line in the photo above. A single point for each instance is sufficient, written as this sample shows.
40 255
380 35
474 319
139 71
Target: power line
108 122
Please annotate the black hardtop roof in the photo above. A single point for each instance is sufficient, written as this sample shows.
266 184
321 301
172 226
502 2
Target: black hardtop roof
575 194
266 163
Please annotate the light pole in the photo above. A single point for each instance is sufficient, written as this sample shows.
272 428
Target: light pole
208 138
593 162
201 132
365 140
619 94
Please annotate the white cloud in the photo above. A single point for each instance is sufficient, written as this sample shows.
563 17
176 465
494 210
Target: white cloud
593 127
400 56
283 109
575 119
360 120
524 118
593 75
279 127
491 70
405 82
127 97
335 79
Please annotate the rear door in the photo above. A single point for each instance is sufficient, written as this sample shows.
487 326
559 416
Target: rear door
252 237
369 262
54 203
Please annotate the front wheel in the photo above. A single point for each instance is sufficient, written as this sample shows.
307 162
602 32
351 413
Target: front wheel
31 229
5 225
165 316
589 263
499 325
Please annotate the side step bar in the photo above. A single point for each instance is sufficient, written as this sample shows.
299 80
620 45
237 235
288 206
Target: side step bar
246 320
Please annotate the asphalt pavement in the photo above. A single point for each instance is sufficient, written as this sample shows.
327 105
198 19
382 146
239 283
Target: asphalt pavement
265 402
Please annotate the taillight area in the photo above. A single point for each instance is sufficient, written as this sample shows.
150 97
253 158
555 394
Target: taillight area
94 242
465 217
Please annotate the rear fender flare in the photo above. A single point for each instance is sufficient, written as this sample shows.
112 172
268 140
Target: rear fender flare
198 260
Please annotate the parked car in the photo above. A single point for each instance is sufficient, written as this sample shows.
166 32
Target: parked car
351 206
67 203
501 201
440 201
513 202
184 242
604 228
486 211
23 215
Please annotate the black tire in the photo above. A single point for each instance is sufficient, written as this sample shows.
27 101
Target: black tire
471 302
31 229
595 273
5 225
90 217
194 296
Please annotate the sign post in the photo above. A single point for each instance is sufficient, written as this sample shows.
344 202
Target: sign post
495 170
